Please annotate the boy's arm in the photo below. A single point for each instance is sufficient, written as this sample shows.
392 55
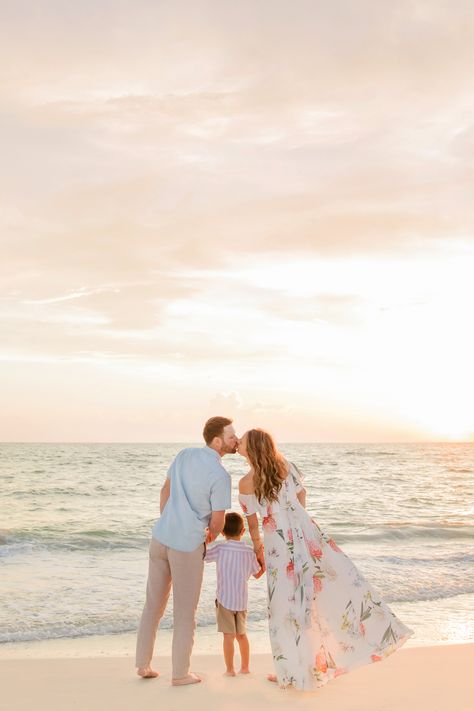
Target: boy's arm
259 574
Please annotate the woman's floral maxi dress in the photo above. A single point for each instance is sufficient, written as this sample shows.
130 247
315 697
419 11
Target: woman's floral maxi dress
325 619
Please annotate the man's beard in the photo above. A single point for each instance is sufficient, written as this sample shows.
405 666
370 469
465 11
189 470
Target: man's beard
230 450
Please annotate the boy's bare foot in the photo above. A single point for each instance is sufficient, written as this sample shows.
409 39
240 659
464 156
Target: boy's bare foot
229 672
191 678
272 677
147 673
245 670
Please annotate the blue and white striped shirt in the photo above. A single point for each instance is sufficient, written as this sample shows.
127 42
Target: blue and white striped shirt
235 562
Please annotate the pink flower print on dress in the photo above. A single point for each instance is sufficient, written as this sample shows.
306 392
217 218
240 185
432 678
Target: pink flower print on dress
290 535
317 584
362 629
334 545
244 508
314 550
376 658
269 524
290 570
320 662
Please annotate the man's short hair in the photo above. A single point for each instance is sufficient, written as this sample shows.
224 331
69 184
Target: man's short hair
215 428
234 524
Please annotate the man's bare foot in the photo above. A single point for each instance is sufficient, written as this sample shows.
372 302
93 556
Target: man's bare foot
244 670
147 673
191 678
229 672
272 677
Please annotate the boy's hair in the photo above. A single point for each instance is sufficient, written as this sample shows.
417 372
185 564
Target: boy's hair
234 524
214 427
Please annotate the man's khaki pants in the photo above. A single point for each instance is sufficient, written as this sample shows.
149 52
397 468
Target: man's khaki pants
184 571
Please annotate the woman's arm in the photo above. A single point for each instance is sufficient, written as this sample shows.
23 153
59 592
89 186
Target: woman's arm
301 496
256 540
246 487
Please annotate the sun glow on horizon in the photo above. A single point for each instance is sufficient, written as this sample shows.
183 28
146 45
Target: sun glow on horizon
381 334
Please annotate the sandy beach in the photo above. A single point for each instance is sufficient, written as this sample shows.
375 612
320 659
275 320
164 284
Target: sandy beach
437 678
236 276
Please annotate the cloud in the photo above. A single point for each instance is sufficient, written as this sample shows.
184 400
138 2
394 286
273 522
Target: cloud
78 294
153 153
226 403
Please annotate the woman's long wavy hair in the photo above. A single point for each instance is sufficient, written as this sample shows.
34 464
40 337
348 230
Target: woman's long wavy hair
270 468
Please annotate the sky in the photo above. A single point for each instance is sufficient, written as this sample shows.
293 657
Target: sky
258 209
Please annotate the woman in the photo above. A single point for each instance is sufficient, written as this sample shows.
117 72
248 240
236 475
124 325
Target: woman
324 617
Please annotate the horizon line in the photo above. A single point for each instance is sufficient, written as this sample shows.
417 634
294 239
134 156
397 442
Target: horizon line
461 441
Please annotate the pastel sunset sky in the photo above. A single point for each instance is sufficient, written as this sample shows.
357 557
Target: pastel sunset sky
260 209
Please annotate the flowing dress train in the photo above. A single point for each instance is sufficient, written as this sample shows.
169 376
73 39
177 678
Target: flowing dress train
325 619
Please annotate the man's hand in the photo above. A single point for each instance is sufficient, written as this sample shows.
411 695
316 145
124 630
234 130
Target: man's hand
209 537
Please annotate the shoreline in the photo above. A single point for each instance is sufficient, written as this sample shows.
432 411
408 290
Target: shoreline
208 642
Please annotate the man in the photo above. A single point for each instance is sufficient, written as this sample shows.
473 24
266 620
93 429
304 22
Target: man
193 500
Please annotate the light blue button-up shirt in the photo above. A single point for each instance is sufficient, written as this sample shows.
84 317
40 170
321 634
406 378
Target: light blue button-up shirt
199 485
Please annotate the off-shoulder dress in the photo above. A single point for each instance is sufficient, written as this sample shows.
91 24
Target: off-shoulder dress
325 619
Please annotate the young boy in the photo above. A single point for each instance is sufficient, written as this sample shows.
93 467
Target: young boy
235 562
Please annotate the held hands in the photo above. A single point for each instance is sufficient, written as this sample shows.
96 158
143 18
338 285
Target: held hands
209 536
259 552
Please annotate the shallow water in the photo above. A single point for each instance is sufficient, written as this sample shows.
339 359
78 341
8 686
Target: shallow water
76 521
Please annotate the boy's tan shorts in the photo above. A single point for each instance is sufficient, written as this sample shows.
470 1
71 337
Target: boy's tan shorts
230 622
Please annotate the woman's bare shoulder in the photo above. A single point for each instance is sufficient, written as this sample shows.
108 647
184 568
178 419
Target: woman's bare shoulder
246 484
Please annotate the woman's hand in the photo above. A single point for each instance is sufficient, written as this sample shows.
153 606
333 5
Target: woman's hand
260 555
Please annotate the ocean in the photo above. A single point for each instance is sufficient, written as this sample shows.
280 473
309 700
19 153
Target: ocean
76 521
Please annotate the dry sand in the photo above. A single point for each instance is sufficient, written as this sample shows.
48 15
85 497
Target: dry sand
437 678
